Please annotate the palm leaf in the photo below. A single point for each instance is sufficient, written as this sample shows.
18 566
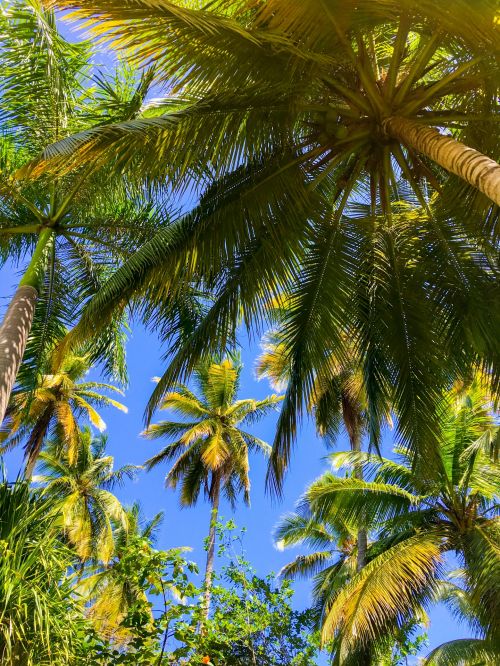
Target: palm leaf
387 589
305 566
356 502
463 651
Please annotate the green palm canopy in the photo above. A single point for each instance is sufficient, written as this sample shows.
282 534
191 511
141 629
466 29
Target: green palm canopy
420 510
210 450
80 490
67 234
325 137
55 406
330 563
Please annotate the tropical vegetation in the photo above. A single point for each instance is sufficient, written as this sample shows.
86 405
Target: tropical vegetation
53 407
184 178
69 232
79 489
210 451
417 513
41 620
325 173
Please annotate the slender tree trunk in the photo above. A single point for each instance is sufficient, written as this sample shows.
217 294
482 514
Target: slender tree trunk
209 570
13 335
364 656
34 444
362 537
16 325
353 424
475 168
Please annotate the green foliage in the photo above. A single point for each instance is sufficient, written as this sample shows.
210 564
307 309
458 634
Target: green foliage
407 642
41 621
79 488
336 395
137 598
377 269
210 451
54 406
464 651
252 620
416 511
307 192
142 607
91 221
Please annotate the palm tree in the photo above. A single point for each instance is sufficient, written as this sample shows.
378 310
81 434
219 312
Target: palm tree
337 395
333 560
42 620
422 509
80 491
332 563
380 78
55 406
211 449
317 120
74 230
118 587
465 651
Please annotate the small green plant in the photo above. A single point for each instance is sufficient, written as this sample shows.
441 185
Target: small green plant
252 620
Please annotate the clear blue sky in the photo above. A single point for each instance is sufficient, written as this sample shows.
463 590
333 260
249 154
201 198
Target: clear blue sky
188 527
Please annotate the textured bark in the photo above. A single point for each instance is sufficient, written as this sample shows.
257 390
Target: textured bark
354 425
16 326
475 168
14 333
362 543
209 570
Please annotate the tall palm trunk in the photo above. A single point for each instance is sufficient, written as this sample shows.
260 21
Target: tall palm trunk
209 570
16 325
353 424
362 537
475 168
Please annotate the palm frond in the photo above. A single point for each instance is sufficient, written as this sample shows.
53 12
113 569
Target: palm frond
305 566
386 590
463 651
297 528
357 502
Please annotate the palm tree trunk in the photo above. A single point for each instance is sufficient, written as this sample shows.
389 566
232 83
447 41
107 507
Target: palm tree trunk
16 325
475 168
211 550
353 424
13 335
362 537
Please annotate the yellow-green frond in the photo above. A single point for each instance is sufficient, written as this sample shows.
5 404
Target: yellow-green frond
388 588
